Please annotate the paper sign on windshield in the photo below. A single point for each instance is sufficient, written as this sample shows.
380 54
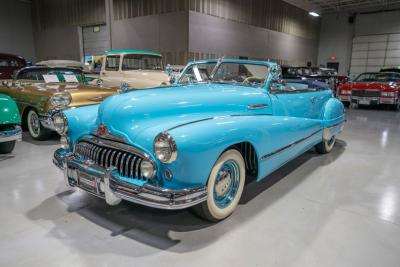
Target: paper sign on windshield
50 78
69 78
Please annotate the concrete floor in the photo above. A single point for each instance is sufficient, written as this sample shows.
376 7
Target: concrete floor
340 209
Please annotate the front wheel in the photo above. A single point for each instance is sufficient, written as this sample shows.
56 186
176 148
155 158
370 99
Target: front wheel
7 147
326 146
36 130
224 187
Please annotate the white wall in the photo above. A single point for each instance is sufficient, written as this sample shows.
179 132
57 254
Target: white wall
335 40
161 33
16 32
58 43
209 34
337 34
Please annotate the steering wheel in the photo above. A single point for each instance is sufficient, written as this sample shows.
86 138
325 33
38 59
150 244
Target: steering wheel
252 80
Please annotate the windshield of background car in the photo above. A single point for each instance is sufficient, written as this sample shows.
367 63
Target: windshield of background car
378 77
142 62
51 75
241 74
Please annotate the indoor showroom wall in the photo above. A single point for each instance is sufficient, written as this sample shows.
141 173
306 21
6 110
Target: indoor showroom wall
16 33
213 35
164 33
337 34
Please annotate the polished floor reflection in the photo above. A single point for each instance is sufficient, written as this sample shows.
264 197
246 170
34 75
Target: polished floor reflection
340 209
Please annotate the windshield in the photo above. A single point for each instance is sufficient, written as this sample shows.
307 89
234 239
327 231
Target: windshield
53 75
142 62
378 77
233 73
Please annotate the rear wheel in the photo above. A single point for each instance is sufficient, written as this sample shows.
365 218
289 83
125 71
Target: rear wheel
326 146
7 147
35 128
224 187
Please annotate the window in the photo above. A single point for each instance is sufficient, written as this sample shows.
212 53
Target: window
37 74
197 73
241 74
142 62
112 63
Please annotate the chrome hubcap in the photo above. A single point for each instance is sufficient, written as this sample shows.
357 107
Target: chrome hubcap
226 184
35 123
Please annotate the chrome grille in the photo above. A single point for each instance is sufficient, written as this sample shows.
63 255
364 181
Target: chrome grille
127 163
366 93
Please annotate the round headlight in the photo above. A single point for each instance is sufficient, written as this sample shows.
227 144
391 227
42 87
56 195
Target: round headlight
147 169
64 141
61 100
165 148
60 123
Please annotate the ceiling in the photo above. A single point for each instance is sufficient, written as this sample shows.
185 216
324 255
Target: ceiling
333 6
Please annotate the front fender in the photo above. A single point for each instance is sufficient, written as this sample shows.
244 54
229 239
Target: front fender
201 143
9 113
81 121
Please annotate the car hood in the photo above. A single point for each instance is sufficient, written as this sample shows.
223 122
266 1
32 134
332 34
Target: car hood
127 115
367 86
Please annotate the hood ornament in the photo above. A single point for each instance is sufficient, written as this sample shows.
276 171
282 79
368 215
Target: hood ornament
102 129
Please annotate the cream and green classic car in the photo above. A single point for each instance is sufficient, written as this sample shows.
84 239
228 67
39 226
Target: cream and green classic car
136 69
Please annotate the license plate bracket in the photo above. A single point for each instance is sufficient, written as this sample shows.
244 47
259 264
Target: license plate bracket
87 182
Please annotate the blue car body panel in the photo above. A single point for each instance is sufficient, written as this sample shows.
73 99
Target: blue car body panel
205 119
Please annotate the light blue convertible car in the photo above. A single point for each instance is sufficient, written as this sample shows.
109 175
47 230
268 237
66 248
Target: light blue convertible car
194 143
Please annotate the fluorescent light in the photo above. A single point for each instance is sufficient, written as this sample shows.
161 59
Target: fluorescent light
314 14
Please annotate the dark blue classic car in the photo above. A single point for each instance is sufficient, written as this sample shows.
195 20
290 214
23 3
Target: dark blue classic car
195 142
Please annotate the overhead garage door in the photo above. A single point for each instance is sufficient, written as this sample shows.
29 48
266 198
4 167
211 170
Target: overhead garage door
372 52
95 40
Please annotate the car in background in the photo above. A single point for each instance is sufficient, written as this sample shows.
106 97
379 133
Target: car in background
42 91
10 124
391 69
64 64
325 75
9 64
194 143
372 88
136 69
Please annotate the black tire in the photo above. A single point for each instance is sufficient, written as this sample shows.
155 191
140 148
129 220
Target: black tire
7 147
35 128
326 146
224 187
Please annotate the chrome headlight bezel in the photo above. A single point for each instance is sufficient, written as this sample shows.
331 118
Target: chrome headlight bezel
60 123
148 169
61 100
164 148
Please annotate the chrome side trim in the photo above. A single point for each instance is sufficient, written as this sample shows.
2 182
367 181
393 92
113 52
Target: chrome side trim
280 150
257 106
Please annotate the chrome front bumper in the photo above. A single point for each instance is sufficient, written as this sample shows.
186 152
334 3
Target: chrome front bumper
106 183
11 135
367 100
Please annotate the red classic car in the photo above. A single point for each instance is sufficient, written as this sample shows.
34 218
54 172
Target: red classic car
9 64
372 88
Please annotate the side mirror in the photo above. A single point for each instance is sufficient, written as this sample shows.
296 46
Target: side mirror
170 73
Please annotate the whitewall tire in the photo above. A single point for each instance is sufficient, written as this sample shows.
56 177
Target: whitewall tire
326 146
35 128
224 187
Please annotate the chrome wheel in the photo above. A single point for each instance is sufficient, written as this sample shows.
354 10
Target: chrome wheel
226 184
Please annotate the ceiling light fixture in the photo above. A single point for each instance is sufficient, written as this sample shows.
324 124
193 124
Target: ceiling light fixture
314 14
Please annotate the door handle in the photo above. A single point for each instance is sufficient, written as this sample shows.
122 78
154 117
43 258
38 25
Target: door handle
257 106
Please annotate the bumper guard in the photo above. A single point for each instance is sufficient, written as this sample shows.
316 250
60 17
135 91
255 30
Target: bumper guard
105 183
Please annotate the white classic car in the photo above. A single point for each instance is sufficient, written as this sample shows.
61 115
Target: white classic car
137 69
